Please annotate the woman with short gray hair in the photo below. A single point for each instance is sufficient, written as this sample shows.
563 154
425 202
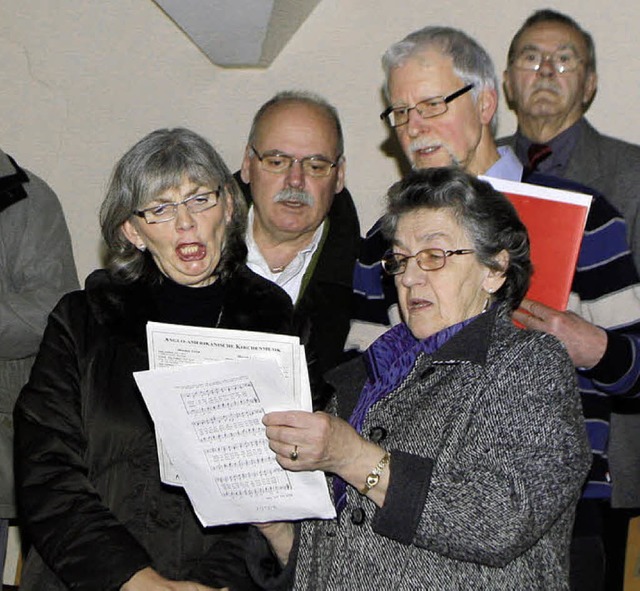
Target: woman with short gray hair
457 448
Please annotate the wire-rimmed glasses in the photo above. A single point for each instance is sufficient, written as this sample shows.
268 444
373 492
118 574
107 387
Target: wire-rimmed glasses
165 212
562 60
429 259
278 163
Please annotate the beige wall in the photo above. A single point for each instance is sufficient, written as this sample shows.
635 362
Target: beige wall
81 81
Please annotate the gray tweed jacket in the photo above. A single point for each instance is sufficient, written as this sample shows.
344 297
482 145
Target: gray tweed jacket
489 453
612 166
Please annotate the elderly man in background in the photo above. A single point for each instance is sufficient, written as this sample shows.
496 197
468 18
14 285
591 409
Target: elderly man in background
303 231
442 90
36 269
550 81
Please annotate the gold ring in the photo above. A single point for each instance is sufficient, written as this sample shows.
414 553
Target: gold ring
293 456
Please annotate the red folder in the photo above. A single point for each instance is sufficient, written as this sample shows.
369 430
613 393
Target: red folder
555 220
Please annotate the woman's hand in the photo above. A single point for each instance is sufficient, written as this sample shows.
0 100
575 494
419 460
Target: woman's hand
148 579
312 441
318 441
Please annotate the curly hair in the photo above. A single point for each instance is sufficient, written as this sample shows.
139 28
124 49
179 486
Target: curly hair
488 217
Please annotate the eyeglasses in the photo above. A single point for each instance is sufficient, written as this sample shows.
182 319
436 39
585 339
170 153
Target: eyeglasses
316 166
165 212
429 259
563 60
431 107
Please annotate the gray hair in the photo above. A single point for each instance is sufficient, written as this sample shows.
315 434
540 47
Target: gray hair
161 161
303 97
487 216
471 63
553 16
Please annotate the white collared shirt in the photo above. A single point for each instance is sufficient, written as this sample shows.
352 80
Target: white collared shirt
290 279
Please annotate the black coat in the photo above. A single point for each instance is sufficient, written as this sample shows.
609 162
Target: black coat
89 491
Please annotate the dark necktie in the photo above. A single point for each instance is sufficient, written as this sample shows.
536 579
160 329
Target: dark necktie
536 153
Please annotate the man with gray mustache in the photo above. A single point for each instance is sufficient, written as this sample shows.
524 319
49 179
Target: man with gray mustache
302 230
442 90
292 196
550 81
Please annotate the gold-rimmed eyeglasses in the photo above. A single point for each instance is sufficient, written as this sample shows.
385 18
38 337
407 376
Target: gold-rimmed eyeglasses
429 259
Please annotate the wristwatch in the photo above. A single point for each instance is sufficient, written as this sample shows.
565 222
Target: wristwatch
374 476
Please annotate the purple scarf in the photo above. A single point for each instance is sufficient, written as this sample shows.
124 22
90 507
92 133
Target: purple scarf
389 360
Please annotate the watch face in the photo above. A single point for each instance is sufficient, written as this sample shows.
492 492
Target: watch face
372 480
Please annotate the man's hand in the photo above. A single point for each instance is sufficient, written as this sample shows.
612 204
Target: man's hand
585 342
148 579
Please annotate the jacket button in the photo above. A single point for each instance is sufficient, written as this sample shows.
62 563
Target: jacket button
357 516
377 434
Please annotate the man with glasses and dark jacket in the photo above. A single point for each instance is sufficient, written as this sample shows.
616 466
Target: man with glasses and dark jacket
303 231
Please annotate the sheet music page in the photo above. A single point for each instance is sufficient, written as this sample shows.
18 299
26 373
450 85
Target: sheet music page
171 345
209 417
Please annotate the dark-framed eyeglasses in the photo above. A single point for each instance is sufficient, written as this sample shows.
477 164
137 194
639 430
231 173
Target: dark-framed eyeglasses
165 212
429 259
563 60
431 107
278 163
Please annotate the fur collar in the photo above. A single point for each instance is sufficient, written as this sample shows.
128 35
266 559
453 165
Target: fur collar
249 303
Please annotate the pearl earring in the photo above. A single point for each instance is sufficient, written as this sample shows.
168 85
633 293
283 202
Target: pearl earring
142 248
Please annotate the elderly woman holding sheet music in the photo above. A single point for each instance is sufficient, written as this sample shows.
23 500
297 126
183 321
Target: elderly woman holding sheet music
459 448
88 484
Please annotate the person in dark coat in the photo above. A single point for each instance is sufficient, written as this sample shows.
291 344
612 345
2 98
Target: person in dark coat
303 232
459 449
89 489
